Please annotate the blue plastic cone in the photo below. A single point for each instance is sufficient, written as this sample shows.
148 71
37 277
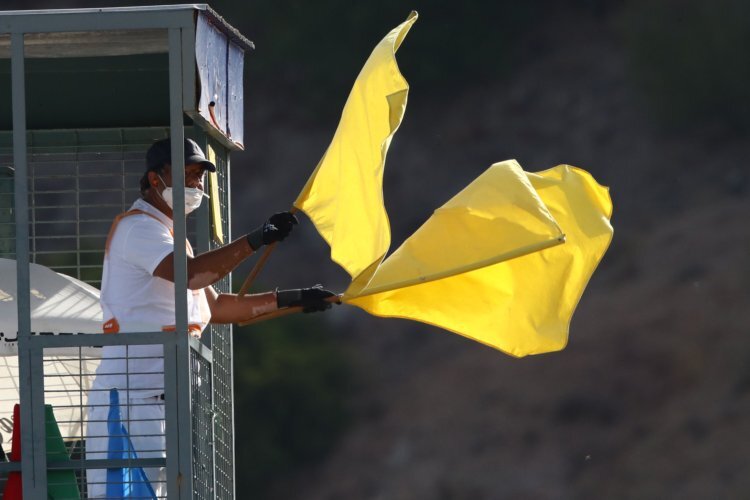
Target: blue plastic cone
124 482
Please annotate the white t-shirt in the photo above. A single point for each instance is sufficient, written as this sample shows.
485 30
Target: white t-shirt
141 302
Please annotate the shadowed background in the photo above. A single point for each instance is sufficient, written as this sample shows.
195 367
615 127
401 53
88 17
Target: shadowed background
651 397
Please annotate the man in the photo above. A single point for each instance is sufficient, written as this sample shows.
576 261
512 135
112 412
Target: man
138 296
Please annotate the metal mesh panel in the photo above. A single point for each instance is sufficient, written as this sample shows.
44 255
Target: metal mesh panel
223 411
67 381
202 426
80 425
7 222
78 182
73 199
221 347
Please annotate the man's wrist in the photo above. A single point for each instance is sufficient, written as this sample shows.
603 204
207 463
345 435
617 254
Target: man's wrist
255 239
288 298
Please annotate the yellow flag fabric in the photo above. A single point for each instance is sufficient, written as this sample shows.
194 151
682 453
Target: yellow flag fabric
213 185
344 195
520 306
497 217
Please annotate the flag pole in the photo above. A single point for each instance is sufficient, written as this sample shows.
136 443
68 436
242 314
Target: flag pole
271 315
336 299
259 265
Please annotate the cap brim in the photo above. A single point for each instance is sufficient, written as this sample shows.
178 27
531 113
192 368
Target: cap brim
199 159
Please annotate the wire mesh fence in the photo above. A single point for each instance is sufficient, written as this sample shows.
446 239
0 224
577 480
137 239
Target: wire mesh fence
78 182
89 429
221 347
202 426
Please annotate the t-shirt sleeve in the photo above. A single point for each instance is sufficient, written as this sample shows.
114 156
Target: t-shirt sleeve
146 243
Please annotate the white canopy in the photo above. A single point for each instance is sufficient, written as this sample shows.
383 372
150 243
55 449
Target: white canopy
59 305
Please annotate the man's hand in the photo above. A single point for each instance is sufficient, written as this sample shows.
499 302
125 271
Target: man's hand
311 299
276 228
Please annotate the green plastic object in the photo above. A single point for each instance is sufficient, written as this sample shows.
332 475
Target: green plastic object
61 484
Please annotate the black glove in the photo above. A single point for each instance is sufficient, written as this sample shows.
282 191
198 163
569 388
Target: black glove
276 228
311 299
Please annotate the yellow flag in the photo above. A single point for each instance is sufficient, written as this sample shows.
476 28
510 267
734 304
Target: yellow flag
213 185
344 195
521 302
495 218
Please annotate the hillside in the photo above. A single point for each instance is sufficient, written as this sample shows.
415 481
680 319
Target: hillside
648 399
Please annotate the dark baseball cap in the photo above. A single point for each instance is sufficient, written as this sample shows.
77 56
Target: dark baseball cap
160 153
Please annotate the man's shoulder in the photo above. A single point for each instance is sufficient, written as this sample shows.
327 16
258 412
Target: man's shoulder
141 220
137 230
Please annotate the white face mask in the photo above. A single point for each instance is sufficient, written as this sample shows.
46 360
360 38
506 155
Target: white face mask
193 197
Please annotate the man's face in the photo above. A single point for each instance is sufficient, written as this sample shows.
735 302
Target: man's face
194 175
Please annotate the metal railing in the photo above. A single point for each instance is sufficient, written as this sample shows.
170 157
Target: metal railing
78 181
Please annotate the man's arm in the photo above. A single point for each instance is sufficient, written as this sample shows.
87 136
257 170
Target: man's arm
209 267
231 308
